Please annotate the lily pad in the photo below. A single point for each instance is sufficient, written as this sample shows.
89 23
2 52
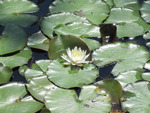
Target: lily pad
78 29
139 100
147 65
13 99
145 12
95 11
147 35
129 30
113 87
128 77
134 4
45 110
12 39
38 87
18 59
5 73
66 78
92 44
49 23
59 45
128 56
91 100
17 12
38 41
146 76
121 15
38 69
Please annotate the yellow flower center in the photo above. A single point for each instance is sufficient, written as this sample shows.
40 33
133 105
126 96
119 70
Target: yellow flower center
76 53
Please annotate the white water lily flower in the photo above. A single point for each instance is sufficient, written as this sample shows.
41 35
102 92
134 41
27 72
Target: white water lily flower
76 56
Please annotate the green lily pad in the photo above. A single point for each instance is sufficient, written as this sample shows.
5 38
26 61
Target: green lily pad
95 11
134 4
59 45
146 76
13 99
18 59
38 87
38 69
78 29
38 41
147 35
63 77
16 11
128 77
49 23
129 30
113 87
5 73
139 100
91 100
45 110
121 15
128 56
147 65
110 3
145 12
12 39
92 44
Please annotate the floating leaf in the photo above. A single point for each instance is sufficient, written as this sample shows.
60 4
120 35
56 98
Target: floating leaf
139 100
78 29
5 73
95 11
12 100
59 45
121 15
45 110
38 87
91 100
146 76
113 88
49 23
128 77
66 78
147 65
92 44
134 4
124 53
38 41
16 11
12 39
147 35
110 2
145 12
129 30
18 59
38 69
